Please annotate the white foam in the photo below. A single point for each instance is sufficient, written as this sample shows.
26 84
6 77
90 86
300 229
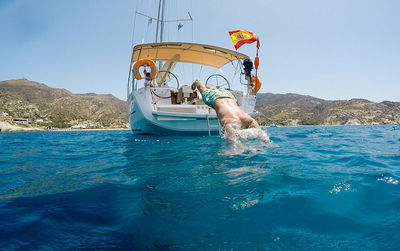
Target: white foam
248 202
340 187
246 134
249 134
389 180
248 141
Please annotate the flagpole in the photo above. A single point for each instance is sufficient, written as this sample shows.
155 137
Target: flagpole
256 60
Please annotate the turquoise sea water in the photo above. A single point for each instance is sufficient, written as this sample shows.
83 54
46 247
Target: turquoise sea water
322 188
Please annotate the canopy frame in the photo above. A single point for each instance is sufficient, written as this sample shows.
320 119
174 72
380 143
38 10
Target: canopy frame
202 54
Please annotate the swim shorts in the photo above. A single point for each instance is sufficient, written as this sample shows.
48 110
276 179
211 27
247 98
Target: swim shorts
214 93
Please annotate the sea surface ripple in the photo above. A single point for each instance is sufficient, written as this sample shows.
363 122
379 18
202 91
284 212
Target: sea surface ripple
321 188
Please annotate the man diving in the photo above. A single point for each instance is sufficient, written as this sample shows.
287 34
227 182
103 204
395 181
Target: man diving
230 116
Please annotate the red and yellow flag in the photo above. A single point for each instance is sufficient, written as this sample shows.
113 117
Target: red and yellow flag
240 37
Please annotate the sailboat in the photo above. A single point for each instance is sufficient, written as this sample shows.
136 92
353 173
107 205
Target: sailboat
162 102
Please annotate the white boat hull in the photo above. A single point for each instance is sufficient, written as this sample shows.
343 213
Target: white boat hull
145 119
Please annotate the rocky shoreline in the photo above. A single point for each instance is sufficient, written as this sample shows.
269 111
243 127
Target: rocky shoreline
26 105
8 127
30 106
295 109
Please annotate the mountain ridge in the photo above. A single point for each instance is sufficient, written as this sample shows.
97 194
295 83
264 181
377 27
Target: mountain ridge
60 108
296 109
22 98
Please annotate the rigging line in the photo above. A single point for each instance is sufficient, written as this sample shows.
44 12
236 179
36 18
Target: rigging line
139 13
145 27
149 21
133 35
235 71
178 20
166 21
201 68
133 30
191 9
222 73
178 37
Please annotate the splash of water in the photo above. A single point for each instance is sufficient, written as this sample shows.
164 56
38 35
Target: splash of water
248 140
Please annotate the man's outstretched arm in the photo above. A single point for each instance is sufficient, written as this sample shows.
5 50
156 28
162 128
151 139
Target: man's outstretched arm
200 86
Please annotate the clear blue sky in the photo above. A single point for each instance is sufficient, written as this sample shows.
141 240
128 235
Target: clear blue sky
331 49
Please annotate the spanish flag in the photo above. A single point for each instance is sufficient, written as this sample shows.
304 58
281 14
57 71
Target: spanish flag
240 37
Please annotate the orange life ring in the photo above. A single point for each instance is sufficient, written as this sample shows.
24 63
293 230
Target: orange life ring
257 85
144 62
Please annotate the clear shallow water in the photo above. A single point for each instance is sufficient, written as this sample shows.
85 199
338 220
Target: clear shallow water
324 187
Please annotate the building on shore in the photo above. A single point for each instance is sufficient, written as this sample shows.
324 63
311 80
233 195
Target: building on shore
21 121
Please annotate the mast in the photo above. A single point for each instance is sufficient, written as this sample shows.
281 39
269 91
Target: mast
158 19
162 21
160 64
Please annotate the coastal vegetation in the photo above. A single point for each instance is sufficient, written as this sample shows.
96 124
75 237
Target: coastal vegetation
294 109
30 104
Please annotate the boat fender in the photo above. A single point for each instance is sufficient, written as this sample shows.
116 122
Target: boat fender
144 62
257 85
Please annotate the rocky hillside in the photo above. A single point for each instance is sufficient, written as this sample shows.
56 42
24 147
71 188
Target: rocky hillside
294 109
58 107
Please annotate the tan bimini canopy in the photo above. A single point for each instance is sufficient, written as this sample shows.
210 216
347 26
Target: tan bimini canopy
186 52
